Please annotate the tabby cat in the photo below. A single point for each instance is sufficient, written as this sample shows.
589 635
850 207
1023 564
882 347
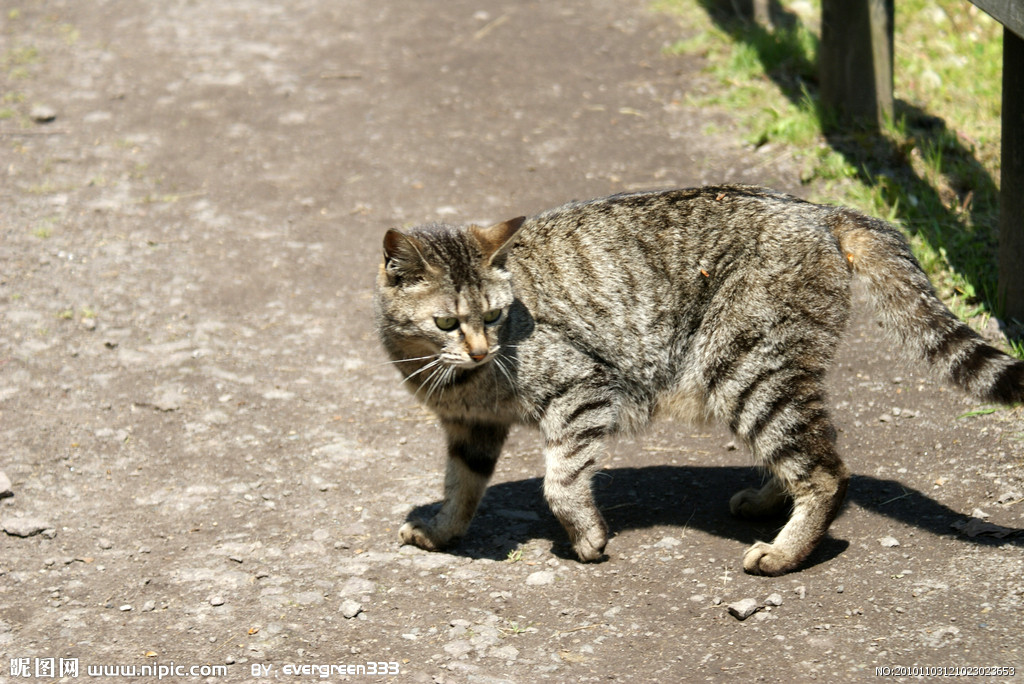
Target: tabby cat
590 319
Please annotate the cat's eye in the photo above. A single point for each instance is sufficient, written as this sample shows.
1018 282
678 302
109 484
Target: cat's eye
446 323
492 316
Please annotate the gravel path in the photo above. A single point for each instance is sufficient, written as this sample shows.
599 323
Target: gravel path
205 461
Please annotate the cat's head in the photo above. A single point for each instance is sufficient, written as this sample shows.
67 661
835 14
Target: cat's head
443 292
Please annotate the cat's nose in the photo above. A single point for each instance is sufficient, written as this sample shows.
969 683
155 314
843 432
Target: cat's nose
476 346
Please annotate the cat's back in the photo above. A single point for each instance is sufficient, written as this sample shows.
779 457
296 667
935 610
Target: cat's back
649 246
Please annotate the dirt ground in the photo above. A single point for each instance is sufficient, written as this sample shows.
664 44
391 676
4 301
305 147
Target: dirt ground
211 460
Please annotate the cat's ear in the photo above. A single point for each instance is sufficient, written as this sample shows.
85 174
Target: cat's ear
403 257
496 240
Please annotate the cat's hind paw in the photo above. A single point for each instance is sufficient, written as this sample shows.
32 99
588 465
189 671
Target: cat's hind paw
754 504
419 533
590 547
765 559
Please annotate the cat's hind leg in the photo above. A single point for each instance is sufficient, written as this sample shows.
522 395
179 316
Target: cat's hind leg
767 501
473 450
817 496
792 434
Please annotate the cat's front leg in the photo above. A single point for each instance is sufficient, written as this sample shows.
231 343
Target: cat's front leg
473 450
573 443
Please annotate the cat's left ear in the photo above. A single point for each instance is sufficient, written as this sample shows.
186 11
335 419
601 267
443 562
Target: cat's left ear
496 240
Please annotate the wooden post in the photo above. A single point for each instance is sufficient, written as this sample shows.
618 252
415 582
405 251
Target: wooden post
855 60
763 13
759 11
1011 182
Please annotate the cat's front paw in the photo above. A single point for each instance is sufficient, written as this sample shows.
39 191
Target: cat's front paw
421 534
764 559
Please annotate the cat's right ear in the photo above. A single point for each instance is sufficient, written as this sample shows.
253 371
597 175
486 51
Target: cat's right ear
403 257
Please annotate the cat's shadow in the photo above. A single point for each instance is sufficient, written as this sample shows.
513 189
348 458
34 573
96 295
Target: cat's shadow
513 513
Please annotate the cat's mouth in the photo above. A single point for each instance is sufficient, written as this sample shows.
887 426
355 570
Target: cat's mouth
474 361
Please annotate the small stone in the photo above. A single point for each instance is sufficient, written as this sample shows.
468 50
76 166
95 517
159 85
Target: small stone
169 399
1005 498
458 648
840 589
350 608
217 601
104 543
5 486
801 591
42 114
667 543
149 606
539 578
25 527
125 608
506 653
884 418
744 608
357 586
888 542
773 599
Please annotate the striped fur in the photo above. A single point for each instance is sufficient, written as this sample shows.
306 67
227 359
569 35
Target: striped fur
716 303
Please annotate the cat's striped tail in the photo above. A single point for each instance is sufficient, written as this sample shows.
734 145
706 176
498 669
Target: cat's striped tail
916 318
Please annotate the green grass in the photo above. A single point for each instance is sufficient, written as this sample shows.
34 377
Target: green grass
932 170
984 411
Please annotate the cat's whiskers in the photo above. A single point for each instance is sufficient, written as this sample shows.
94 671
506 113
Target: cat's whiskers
422 368
499 361
430 380
415 358
439 378
425 383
